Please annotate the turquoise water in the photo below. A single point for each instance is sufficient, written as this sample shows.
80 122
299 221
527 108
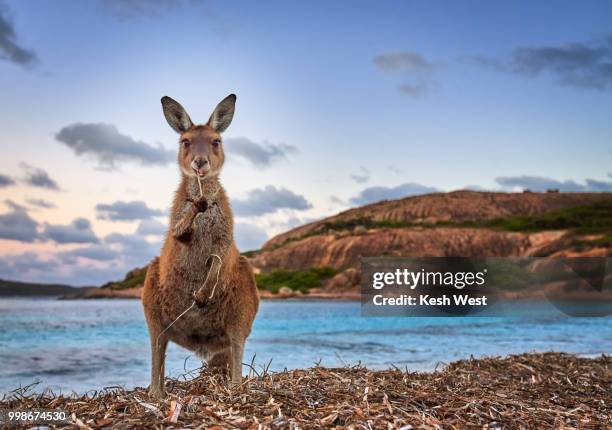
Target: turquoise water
89 344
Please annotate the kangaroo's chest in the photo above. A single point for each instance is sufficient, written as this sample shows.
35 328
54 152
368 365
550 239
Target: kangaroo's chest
210 224
211 230
211 234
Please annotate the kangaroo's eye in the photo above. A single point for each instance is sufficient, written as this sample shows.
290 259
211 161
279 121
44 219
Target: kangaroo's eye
185 142
216 143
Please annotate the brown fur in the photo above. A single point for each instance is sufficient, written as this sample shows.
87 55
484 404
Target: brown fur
216 329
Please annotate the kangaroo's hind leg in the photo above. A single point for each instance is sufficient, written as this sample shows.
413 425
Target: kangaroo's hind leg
159 340
159 343
236 361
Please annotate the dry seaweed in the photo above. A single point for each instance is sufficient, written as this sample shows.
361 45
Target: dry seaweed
550 390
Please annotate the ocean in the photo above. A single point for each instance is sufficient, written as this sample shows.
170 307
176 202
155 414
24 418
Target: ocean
82 345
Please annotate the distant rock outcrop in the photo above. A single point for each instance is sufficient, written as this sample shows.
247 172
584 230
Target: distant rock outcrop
461 223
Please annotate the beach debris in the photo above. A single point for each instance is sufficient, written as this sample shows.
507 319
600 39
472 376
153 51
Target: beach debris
147 406
175 411
485 393
80 424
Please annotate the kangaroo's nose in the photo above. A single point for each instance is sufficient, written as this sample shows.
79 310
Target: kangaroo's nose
200 162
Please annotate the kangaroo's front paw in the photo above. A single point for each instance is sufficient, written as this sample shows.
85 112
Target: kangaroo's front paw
200 298
201 204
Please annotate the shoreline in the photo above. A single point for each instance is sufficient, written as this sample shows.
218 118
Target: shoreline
537 390
135 293
318 296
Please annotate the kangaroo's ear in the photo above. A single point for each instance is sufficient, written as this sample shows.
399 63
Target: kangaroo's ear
221 118
176 115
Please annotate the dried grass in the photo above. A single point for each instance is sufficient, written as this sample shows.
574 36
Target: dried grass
535 391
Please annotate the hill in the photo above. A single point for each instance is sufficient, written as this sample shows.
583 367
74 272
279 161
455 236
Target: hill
15 288
460 223
439 209
130 287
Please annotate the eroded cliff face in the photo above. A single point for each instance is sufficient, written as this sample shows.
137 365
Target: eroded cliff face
423 229
343 250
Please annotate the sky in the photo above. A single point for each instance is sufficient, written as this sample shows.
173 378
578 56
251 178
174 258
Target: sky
339 104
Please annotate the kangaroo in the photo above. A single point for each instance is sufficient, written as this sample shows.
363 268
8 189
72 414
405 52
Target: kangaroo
200 277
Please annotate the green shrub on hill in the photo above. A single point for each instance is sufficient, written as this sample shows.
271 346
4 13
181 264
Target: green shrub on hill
132 279
301 280
591 219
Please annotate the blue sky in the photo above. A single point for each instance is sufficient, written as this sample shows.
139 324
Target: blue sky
339 104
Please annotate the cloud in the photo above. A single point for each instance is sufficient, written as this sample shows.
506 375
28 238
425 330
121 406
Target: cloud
394 169
109 260
295 221
474 188
15 266
415 89
337 200
135 250
37 177
287 223
151 227
96 252
18 225
10 50
595 185
14 206
41 203
259 154
403 61
126 211
133 9
78 231
417 71
539 183
105 144
376 194
6 181
249 236
362 176
268 200
32 267
581 65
